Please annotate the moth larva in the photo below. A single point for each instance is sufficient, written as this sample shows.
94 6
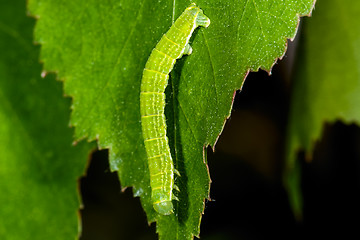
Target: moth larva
173 45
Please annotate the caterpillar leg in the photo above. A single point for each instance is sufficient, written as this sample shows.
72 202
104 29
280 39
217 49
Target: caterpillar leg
187 50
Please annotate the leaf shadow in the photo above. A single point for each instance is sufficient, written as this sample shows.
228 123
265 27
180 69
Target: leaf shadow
175 143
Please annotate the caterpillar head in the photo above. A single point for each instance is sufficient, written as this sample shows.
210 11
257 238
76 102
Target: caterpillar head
201 19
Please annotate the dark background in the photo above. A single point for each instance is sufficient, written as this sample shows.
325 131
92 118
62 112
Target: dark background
248 197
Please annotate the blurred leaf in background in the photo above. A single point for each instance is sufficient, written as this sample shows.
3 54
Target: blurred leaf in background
39 167
327 82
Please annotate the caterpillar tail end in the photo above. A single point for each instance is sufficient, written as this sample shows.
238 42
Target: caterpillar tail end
164 208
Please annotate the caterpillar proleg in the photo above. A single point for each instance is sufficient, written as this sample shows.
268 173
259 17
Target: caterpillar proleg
173 45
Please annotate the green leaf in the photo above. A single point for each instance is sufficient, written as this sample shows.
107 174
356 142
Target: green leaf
39 167
327 87
100 49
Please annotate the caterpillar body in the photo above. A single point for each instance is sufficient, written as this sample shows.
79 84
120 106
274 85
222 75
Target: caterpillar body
173 45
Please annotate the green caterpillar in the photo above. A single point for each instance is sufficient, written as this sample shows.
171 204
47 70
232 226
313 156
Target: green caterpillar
173 45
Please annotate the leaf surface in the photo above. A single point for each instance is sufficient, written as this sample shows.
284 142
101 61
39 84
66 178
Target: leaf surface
327 86
99 49
39 167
